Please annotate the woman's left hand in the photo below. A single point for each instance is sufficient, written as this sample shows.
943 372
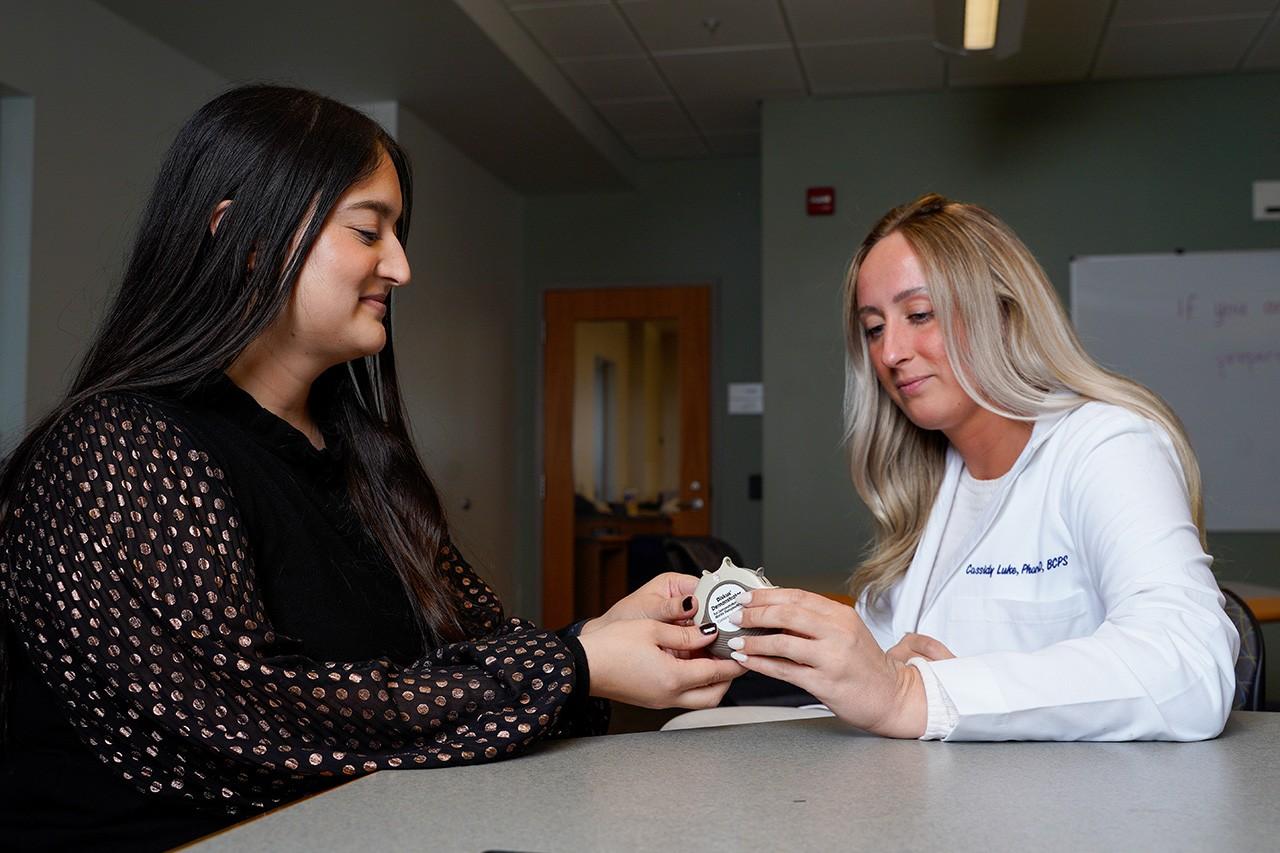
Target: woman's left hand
919 645
667 598
826 650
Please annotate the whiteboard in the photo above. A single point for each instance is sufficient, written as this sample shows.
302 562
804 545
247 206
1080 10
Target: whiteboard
1202 330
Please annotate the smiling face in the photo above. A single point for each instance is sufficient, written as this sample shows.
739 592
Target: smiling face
337 306
905 340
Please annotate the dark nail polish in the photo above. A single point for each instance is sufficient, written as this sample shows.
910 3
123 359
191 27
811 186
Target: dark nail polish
708 629
687 604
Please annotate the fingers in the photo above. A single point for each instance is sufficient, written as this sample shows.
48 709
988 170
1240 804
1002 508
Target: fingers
702 697
703 672
676 609
798 649
790 617
681 585
671 585
783 670
798 597
922 645
681 637
650 663
668 597
929 648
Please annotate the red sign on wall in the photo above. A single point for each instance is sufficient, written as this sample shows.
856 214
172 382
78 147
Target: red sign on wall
820 201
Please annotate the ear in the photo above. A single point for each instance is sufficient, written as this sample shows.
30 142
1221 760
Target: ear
217 215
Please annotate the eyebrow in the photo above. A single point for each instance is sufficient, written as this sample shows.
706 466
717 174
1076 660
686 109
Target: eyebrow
379 207
900 296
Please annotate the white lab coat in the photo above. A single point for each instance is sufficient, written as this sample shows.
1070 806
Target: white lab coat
1082 607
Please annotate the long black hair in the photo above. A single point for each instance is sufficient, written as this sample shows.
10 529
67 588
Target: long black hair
192 300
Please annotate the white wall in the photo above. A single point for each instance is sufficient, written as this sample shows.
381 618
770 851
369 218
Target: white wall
454 327
107 100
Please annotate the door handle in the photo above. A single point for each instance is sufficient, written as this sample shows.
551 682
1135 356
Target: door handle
695 504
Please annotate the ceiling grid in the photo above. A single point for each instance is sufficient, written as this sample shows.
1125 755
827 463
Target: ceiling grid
1268 36
568 95
685 78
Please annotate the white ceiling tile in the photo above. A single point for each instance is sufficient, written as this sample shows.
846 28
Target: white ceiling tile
646 118
666 147
734 144
1150 11
726 115
842 20
568 31
627 77
753 73
1191 47
1059 41
873 66
686 24
1266 53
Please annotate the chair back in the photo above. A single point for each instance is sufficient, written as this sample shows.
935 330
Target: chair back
650 555
693 554
1250 666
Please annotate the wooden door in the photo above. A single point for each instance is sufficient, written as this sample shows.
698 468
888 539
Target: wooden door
690 309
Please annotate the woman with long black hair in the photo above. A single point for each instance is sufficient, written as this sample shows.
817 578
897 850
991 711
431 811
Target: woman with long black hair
227 580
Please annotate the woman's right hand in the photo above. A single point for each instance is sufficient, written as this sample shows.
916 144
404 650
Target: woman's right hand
636 661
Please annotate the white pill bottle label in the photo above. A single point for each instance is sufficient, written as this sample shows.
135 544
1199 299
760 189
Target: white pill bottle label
722 602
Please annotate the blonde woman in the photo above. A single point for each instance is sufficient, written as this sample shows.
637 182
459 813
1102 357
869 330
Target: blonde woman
1037 570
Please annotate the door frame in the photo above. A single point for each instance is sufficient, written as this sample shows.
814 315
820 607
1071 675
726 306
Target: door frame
690 306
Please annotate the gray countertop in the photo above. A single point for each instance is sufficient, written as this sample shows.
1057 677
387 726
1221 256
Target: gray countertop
808 785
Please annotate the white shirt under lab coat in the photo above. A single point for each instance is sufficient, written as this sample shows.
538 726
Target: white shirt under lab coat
1082 606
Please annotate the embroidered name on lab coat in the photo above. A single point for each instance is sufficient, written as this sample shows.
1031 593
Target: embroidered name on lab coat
1005 569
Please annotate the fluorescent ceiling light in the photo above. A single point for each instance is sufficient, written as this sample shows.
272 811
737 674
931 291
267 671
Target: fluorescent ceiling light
987 28
980 18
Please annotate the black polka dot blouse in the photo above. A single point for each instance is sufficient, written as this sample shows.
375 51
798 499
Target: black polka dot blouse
192 591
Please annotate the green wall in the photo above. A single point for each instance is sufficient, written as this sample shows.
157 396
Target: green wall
1145 166
687 222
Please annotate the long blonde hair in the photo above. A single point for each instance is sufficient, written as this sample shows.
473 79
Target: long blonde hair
1012 349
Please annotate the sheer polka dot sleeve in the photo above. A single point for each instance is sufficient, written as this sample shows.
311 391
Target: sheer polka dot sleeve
128 579
482 615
